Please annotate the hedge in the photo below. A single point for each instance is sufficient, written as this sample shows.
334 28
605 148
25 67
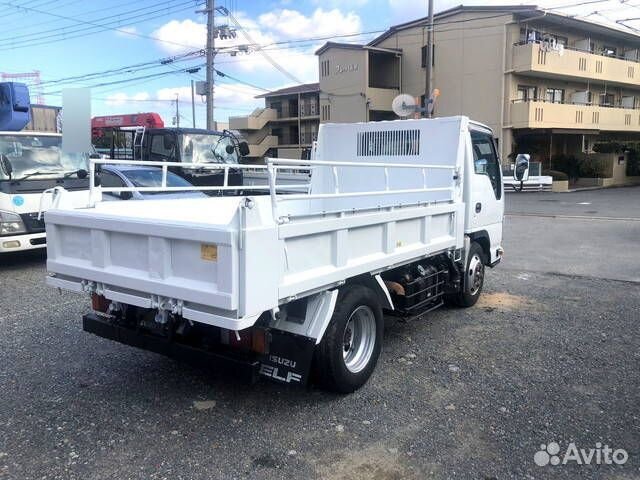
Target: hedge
556 175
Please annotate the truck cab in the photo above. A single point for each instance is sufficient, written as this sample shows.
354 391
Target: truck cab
184 145
30 163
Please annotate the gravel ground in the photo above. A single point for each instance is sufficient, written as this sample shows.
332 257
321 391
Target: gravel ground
545 356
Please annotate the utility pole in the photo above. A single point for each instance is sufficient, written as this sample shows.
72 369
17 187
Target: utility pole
177 110
193 105
211 45
429 60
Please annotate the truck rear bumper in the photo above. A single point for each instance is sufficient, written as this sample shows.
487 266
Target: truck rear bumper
245 369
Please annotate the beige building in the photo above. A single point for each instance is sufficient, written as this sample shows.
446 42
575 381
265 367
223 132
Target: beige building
287 125
546 83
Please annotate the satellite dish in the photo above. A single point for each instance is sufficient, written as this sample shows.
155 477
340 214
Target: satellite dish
404 105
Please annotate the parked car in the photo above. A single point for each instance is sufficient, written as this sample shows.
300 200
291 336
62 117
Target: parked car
115 176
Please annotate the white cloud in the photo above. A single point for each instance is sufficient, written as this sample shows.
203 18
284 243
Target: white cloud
180 35
230 99
126 31
345 4
117 99
170 93
271 27
141 97
293 24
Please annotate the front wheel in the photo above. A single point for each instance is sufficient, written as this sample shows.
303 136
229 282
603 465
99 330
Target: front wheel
350 347
473 278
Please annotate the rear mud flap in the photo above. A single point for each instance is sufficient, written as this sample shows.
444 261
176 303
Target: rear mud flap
289 358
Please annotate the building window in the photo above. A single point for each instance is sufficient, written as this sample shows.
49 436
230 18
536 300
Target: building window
326 112
423 53
528 35
555 95
527 93
607 99
324 68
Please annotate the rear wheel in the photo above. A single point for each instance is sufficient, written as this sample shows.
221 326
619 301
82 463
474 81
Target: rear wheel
473 278
350 347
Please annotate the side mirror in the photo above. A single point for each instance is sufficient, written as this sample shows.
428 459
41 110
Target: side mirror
126 195
229 149
6 165
521 173
243 148
82 173
95 156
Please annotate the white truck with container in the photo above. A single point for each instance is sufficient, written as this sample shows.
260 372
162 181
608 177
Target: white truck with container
399 217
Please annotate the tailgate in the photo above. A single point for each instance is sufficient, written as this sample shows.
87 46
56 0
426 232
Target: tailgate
136 260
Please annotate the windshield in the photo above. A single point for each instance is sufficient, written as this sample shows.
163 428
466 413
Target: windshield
38 156
207 148
153 178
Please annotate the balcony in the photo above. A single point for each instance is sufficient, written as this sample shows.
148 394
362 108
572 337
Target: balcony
538 114
381 98
533 59
255 121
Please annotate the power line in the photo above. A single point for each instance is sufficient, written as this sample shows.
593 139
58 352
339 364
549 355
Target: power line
264 54
98 25
222 74
121 18
145 77
127 69
48 22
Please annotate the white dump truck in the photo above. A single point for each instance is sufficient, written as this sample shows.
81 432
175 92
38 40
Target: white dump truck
399 217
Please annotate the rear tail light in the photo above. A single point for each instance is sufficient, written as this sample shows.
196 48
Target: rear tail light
99 303
260 341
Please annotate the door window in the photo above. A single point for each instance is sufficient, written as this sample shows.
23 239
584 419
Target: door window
110 180
485 159
159 146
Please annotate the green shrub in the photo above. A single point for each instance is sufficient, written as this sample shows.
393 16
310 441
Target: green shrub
592 168
609 147
556 175
567 164
633 163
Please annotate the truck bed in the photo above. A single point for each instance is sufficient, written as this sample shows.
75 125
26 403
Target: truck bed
225 260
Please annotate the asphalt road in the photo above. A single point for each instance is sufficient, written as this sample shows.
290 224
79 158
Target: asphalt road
551 353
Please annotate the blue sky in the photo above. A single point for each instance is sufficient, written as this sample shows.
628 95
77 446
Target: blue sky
35 36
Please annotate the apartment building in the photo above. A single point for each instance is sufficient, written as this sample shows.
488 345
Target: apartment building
287 125
545 82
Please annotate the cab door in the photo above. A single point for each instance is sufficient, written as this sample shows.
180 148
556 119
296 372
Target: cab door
485 198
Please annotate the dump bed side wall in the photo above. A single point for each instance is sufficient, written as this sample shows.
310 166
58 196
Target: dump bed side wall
323 251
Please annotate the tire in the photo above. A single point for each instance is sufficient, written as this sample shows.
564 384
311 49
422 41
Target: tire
357 319
473 278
